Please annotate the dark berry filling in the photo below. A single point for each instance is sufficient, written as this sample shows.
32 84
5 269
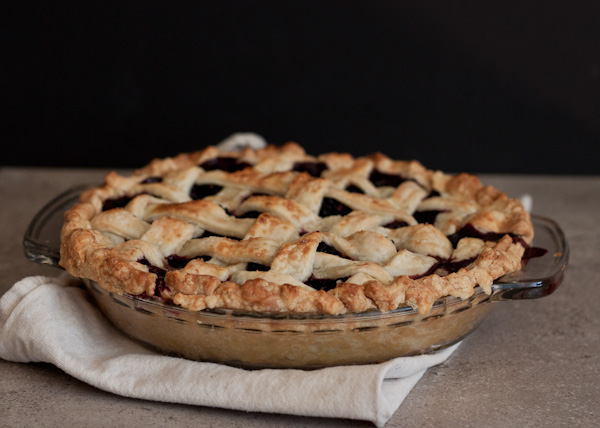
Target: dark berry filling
313 168
396 224
201 191
323 284
120 202
519 240
353 189
160 276
426 216
325 248
446 265
532 252
470 231
454 266
250 214
380 179
179 262
152 180
332 207
257 266
224 164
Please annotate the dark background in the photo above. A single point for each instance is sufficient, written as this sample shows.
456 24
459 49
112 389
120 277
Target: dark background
477 86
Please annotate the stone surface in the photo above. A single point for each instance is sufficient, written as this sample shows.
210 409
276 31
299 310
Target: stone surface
531 363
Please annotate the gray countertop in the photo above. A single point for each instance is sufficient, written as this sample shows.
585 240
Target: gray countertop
531 363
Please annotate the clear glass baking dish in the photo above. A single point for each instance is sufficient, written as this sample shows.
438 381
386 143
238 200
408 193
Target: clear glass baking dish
305 341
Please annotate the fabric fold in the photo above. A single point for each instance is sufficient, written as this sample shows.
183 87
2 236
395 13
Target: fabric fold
53 320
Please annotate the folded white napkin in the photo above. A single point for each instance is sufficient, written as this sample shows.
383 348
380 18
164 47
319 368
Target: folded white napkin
53 320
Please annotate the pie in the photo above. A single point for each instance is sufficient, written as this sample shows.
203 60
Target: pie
278 230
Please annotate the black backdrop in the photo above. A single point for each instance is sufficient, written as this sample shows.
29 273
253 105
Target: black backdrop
477 86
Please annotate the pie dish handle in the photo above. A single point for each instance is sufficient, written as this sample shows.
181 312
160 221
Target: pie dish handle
41 241
542 273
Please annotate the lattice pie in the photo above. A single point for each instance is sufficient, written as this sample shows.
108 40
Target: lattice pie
278 230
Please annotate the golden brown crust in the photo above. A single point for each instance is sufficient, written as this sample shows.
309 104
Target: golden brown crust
377 255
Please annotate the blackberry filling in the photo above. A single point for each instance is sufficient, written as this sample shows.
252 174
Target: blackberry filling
451 267
532 252
179 262
353 189
380 179
313 168
152 180
224 164
160 276
332 207
120 202
396 224
323 284
201 191
426 216
470 231
257 267
448 266
325 248
250 214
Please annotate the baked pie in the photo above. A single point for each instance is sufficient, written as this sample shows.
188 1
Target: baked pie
275 229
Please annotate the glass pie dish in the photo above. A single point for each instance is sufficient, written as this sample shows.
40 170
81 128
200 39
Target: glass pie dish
305 341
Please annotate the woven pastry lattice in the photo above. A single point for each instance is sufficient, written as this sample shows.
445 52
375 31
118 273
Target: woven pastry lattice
276 229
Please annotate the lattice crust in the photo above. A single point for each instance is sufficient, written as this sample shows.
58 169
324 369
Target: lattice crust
278 230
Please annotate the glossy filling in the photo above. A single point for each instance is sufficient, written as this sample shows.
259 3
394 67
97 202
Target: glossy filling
120 202
532 252
224 164
381 179
313 168
444 267
160 276
353 189
250 214
152 180
396 224
426 216
252 267
202 191
333 207
325 248
179 262
470 231
323 284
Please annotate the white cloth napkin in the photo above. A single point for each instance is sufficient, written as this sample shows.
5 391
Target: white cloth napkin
53 320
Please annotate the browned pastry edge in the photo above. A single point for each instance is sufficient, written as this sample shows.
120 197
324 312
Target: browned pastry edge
85 252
